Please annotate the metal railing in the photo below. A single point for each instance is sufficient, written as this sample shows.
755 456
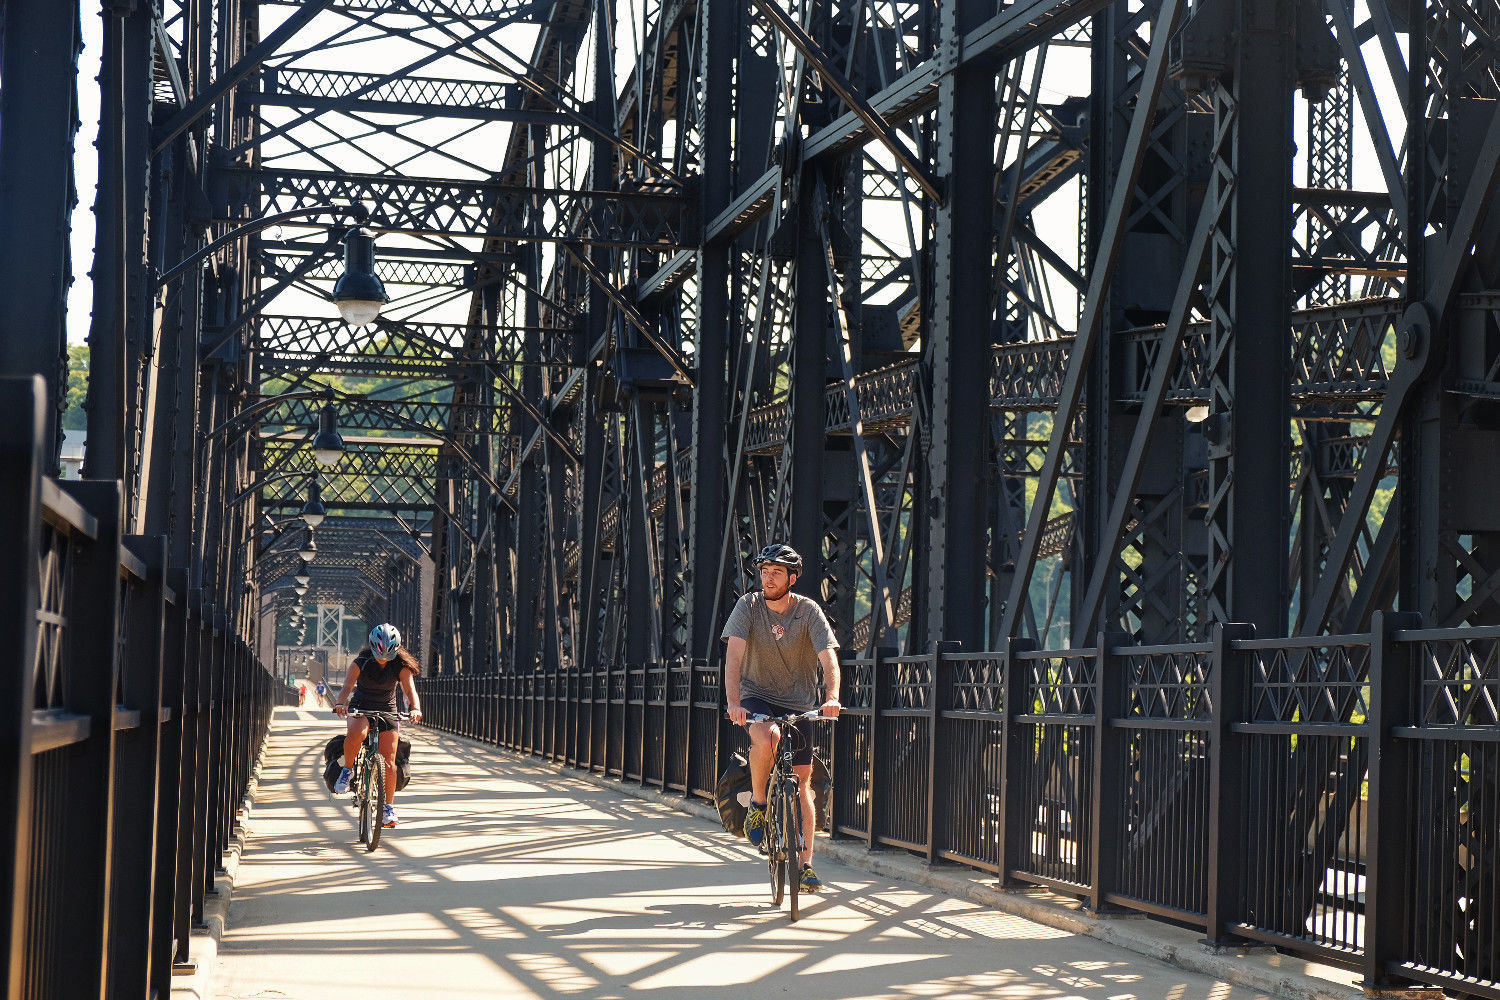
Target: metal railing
1333 796
137 719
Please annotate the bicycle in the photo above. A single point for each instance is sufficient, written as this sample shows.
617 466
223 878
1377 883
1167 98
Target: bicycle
367 787
782 844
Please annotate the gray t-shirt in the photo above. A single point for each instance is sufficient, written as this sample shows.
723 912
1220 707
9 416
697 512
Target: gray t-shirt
781 651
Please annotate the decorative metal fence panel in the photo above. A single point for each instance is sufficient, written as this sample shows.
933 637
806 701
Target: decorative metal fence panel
703 759
1307 739
971 742
676 725
851 779
1056 732
902 751
1162 814
1452 766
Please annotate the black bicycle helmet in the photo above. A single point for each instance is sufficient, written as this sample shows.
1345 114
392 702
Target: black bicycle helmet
781 555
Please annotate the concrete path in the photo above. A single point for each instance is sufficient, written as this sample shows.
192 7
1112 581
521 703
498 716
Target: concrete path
508 878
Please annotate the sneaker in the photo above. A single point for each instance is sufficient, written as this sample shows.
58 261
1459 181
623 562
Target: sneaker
810 880
755 824
389 818
342 785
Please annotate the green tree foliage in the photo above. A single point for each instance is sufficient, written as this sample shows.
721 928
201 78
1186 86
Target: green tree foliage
74 418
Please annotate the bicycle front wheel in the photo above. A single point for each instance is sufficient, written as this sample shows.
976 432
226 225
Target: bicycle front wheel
374 803
775 849
361 814
792 838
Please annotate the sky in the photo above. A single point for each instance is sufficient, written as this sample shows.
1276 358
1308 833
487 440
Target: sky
85 176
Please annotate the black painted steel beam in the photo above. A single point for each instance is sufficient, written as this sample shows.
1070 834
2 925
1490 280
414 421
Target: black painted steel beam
236 74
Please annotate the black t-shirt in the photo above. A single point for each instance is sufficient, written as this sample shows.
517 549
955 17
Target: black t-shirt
375 688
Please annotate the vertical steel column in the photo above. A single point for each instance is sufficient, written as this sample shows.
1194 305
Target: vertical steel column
1250 290
1140 293
38 107
25 450
1015 756
1228 782
1450 529
119 333
1392 766
530 531
642 597
809 388
139 749
105 454
601 177
93 677
486 585
960 336
710 398
198 878
187 902
1107 842
170 791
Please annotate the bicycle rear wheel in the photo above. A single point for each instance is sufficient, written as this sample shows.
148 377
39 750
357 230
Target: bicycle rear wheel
775 849
374 802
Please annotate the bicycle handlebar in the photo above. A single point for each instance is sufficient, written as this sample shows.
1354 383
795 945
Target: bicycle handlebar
398 716
816 715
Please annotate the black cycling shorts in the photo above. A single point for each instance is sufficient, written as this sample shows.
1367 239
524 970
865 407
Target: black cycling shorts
800 731
372 705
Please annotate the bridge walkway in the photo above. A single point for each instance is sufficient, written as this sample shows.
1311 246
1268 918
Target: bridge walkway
508 878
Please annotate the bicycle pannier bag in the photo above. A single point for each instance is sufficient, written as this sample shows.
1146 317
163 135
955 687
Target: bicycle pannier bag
732 794
333 754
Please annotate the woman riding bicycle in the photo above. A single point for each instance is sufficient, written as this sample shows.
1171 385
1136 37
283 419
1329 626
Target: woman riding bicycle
373 676
776 641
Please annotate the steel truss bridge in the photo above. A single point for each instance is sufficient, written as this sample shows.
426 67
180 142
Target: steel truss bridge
1126 371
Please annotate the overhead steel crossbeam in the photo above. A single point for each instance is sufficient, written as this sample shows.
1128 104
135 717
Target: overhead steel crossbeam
510 11
408 351
500 212
324 92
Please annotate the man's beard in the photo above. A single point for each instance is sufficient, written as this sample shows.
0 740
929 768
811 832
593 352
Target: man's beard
776 596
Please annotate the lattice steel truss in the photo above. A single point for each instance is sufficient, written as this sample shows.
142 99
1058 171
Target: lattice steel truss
936 292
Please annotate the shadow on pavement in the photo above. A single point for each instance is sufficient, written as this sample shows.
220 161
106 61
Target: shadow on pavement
507 879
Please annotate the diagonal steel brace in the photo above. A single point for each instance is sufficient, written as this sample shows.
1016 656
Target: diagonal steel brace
847 93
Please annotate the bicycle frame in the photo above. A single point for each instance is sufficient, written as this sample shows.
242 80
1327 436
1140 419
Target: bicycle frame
368 786
785 837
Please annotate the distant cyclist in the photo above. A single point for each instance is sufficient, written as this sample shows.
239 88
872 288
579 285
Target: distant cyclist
372 678
776 640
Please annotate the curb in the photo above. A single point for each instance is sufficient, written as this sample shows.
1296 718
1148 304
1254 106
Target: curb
203 945
1256 969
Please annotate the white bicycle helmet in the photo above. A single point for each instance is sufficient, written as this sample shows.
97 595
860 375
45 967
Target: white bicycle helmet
384 641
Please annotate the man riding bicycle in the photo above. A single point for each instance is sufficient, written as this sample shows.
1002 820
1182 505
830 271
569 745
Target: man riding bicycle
776 640
373 677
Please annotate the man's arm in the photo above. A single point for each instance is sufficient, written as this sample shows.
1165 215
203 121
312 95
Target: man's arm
734 658
830 660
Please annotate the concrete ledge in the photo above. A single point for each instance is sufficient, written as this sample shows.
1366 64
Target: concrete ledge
1258 969
203 946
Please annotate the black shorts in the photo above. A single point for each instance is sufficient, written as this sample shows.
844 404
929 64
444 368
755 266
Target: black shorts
800 731
367 705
